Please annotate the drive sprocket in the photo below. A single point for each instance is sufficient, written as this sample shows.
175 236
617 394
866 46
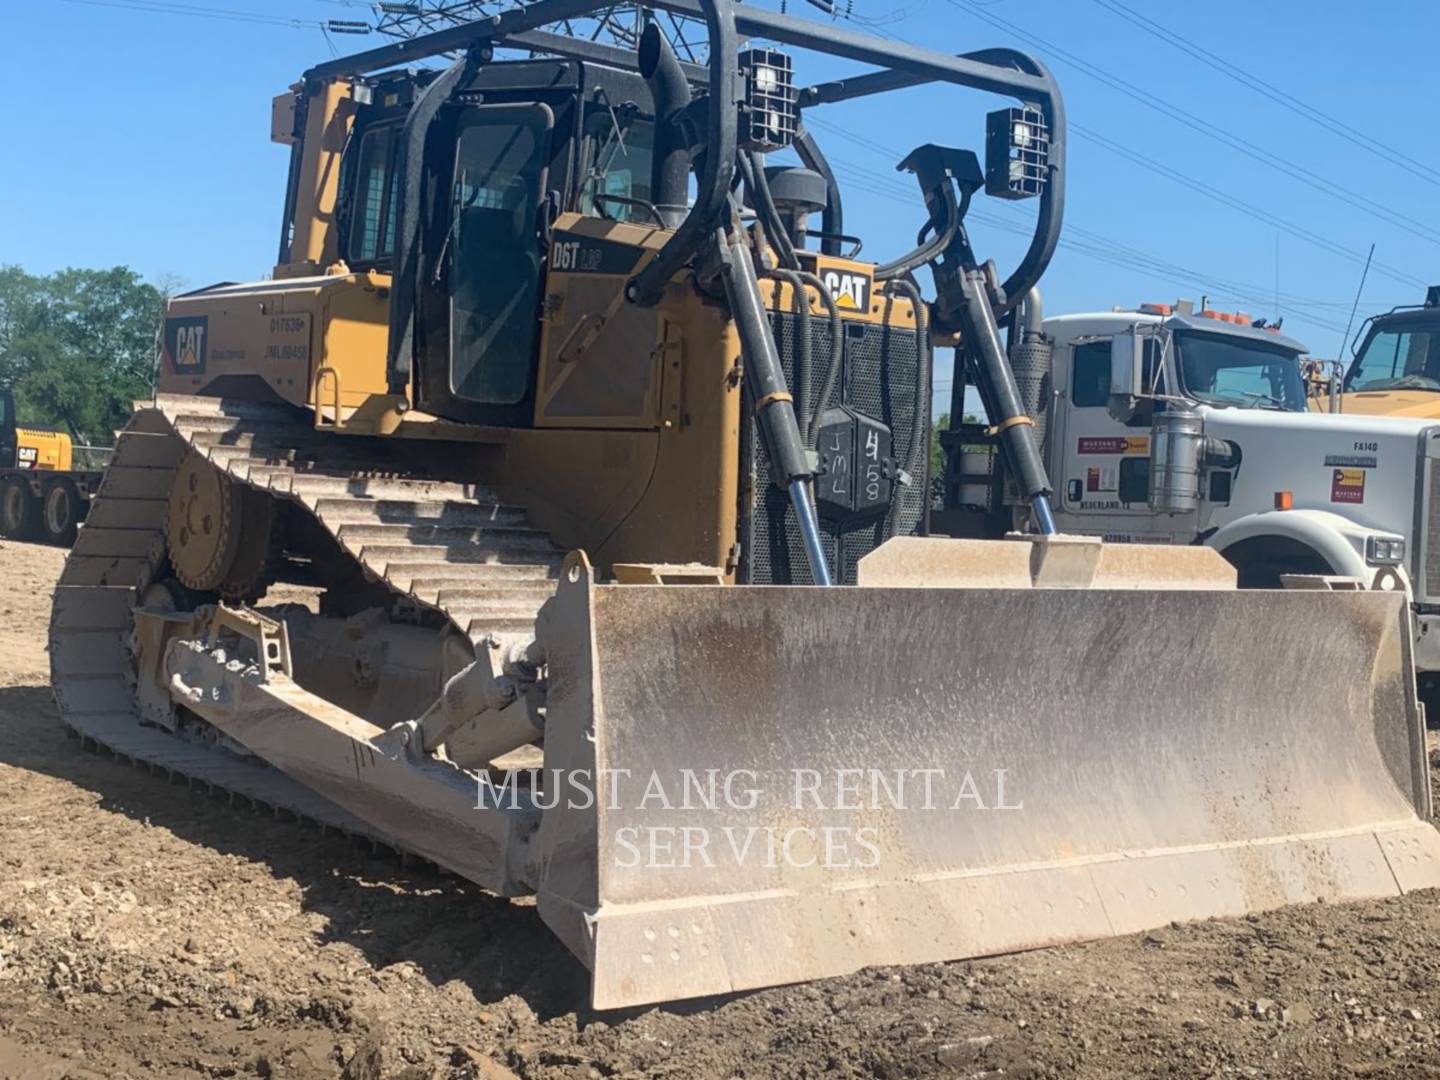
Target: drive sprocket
203 523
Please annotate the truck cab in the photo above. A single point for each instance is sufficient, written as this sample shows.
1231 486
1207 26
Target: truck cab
1164 425
1099 433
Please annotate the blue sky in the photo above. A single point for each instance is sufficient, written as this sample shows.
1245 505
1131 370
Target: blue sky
141 137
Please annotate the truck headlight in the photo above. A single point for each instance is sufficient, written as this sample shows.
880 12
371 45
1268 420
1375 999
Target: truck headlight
1384 551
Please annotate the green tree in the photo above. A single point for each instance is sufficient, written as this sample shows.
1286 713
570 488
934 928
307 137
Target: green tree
937 456
77 346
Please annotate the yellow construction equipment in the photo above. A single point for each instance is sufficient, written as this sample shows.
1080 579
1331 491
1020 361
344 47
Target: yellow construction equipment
42 495
1394 369
557 417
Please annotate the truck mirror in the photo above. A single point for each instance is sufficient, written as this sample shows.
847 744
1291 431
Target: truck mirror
1126 355
1127 352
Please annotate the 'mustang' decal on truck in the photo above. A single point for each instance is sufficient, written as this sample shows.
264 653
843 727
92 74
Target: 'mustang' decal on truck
1347 486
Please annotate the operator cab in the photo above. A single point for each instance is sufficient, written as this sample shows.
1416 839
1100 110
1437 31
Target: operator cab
517 144
1400 352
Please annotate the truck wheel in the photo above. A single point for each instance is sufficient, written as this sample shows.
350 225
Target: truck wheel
61 513
19 510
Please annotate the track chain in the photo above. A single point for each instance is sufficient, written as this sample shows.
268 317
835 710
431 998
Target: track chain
450 547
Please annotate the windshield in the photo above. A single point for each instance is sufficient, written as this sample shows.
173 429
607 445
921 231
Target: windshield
1222 370
1397 360
618 150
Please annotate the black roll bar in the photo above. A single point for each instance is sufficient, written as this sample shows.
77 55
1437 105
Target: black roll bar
1001 71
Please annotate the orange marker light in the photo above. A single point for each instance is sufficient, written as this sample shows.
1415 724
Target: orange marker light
1284 500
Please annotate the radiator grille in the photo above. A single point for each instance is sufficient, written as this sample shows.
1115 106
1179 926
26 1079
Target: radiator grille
880 378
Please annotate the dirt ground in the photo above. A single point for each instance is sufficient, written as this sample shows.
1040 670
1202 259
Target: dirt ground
149 931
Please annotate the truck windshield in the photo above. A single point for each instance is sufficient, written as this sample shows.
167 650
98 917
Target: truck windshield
1397 360
1222 370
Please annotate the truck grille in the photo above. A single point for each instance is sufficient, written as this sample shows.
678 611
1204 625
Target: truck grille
880 379
1428 537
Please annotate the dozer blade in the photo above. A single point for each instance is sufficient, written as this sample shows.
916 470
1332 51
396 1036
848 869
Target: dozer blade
792 783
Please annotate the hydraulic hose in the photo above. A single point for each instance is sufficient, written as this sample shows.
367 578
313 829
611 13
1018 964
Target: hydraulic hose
752 168
914 462
837 350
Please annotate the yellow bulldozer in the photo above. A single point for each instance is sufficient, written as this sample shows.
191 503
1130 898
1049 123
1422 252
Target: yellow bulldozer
557 514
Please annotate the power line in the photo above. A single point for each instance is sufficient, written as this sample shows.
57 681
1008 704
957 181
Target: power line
165 7
1274 93
1199 186
1250 209
1101 250
1251 293
1174 112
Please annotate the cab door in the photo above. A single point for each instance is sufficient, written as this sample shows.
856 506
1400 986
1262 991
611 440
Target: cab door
482 297
1101 465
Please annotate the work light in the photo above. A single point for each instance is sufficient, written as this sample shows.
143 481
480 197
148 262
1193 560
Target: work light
767 115
1017 153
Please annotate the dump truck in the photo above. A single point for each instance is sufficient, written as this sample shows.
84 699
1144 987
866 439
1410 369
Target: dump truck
43 495
1166 425
1394 369
601 473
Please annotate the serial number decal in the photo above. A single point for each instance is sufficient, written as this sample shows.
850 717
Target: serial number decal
1352 461
1367 446
291 338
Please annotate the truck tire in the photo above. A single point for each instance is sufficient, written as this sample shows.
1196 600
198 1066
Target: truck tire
60 513
19 510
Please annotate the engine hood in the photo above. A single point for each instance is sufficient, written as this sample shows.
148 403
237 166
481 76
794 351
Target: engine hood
1400 403
1361 468
1314 427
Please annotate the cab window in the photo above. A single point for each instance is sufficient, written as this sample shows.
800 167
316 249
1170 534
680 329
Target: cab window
1090 378
1398 360
1222 370
618 149
1090 381
500 160
372 224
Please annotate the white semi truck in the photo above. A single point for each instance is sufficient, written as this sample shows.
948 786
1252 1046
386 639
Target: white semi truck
1164 425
